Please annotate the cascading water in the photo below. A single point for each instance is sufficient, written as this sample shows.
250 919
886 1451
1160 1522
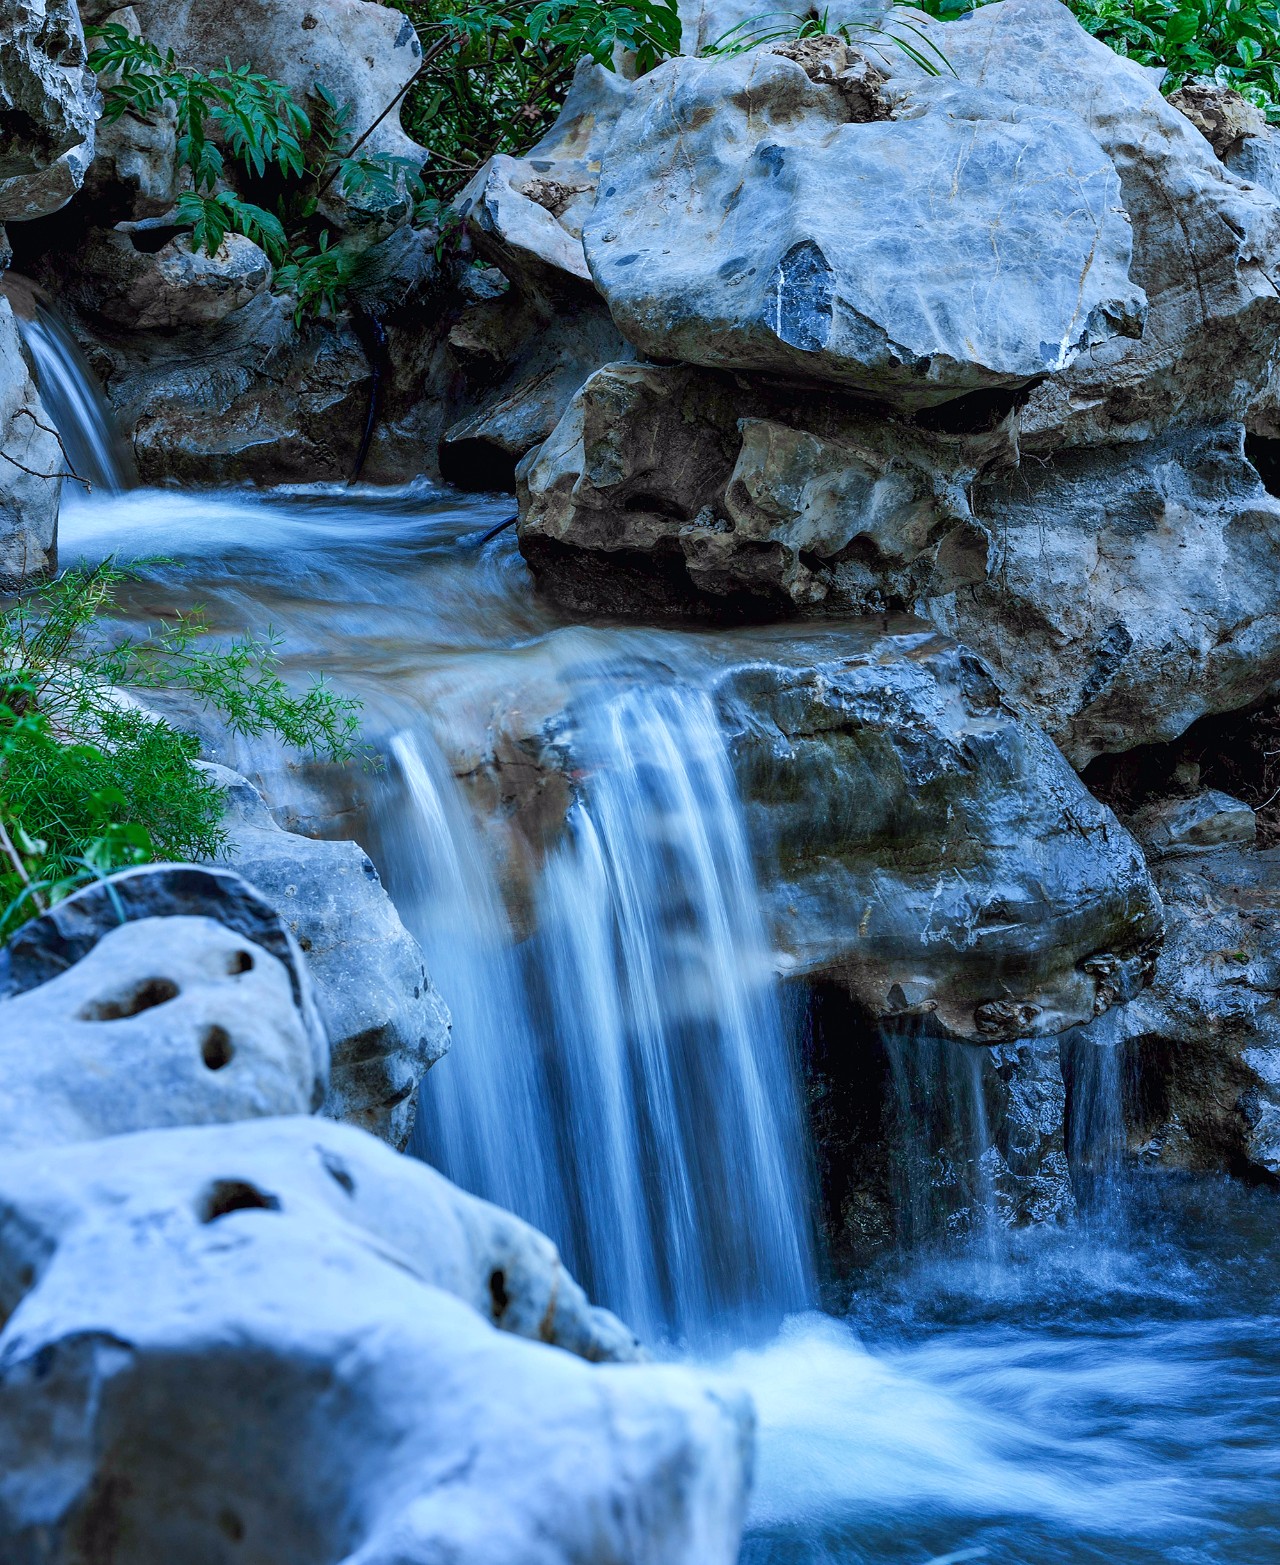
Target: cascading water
71 397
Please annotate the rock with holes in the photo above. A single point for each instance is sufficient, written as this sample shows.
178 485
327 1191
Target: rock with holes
1206 246
387 1025
917 841
164 1021
276 1342
913 242
48 107
31 466
147 276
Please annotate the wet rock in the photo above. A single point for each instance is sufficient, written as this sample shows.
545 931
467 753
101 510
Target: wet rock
1204 1039
1206 821
386 1023
48 106
147 277
918 842
748 262
31 466
1205 245
280 1340
679 490
165 1021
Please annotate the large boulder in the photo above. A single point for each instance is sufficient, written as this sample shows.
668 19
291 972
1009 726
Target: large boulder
147 276
917 842
1206 245
165 1021
914 243
386 1024
276 1342
48 107
32 466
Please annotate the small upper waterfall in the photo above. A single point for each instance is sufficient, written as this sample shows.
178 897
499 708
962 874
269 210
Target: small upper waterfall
71 395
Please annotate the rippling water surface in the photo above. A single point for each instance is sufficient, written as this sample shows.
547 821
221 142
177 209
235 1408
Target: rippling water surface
1109 1393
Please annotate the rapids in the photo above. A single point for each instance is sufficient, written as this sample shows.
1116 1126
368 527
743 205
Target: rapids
625 1076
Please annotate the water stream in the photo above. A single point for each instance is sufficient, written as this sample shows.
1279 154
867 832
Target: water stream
623 1073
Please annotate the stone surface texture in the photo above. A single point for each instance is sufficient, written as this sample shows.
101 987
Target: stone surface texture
386 1024
165 1021
275 1342
48 107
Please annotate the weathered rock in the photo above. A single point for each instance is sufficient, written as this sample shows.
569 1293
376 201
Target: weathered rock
147 277
677 489
1205 246
1220 114
917 841
274 1341
716 238
165 1021
31 466
385 1021
48 106
1205 1036
526 214
1128 591
1195 825
705 23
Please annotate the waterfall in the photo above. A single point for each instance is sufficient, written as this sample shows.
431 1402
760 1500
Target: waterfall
71 396
629 1084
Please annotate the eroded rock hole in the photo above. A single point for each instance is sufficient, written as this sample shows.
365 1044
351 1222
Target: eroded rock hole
240 962
1265 456
498 1292
216 1049
143 996
338 1171
225 1196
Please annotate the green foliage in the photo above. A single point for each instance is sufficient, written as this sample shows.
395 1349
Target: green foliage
89 783
238 122
897 29
495 73
1235 43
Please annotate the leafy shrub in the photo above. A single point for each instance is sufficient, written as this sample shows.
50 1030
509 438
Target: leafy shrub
88 782
495 74
1235 43
284 155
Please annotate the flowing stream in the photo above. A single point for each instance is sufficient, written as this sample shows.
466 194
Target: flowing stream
624 1073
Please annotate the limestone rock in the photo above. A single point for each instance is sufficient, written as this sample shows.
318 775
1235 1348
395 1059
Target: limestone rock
385 1021
748 218
276 1341
525 215
677 489
705 23
1205 1037
917 841
165 1021
1220 114
1195 825
48 107
147 277
31 466
1205 246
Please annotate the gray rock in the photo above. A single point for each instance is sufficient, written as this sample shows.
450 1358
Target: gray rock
1206 1034
917 841
1220 114
1206 821
385 1021
678 489
705 23
145 288
717 237
48 107
1205 245
31 466
165 1021
277 1341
